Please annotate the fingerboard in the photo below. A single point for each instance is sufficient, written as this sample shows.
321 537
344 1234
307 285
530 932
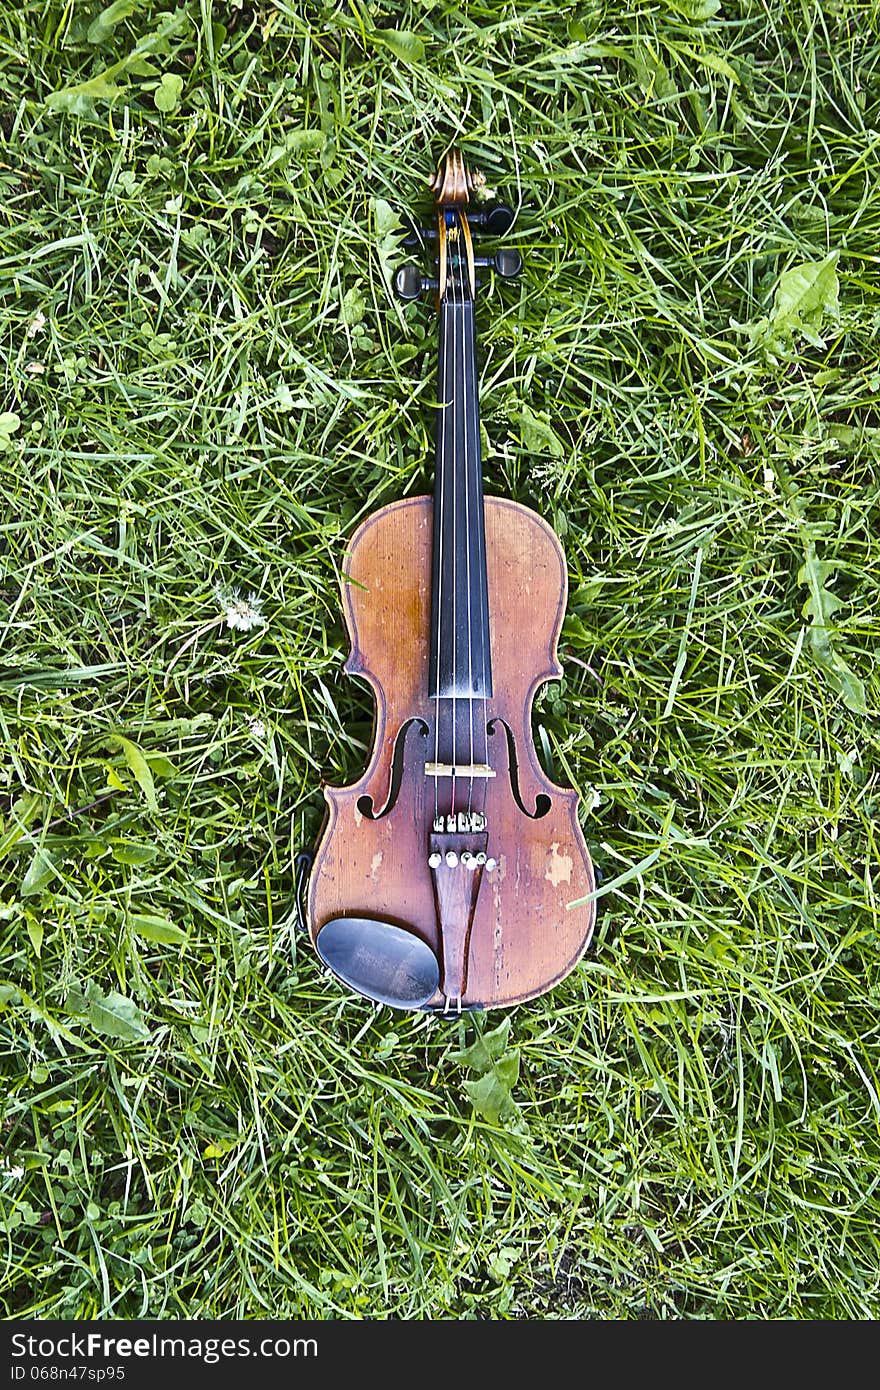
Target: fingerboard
460 661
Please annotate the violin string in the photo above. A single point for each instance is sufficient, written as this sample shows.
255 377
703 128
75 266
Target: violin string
467 530
481 563
472 444
485 637
455 404
454 532
441 465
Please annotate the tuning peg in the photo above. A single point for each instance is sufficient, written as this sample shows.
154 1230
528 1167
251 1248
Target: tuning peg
495 221
507 263
419 235
409 282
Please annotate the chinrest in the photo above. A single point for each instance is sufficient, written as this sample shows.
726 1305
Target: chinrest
386 963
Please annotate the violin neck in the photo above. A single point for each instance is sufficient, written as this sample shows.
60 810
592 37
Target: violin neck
460 663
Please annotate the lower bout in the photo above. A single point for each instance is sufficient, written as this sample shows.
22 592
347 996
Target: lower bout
524 938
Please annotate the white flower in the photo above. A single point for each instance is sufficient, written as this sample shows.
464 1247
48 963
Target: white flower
242 614
256 727
37 324
11 1170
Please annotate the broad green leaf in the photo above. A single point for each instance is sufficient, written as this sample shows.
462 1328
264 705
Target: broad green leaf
402 43
813 573
117 1017
807 292
575 634
133 852
824 638
389 235
806 295
160 766
138 766
842 679
197 1213
497 1071
80 100
501 1264
41 870
651 71
102 27
8 995
490 1096
156 928
848 686
167 95
77 1001
35 933
485 1049
304 141
537 433
385 218
695 9
141 67
24 810
352 308
9 423
715 63
585 593
219 1148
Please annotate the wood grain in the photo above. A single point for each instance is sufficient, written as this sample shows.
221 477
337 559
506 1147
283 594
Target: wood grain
524 938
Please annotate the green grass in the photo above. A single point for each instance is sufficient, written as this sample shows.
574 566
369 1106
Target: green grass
210 384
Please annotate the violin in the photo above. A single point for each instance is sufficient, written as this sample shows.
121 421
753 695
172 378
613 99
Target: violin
442 878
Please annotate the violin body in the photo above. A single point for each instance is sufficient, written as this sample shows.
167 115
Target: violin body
522 937
454 874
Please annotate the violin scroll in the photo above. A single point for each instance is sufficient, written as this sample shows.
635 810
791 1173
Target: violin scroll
454 182
452 186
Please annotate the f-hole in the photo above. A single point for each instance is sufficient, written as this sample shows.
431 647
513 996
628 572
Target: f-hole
542 801
365 803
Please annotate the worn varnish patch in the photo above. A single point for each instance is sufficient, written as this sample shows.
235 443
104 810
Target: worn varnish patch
560 868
